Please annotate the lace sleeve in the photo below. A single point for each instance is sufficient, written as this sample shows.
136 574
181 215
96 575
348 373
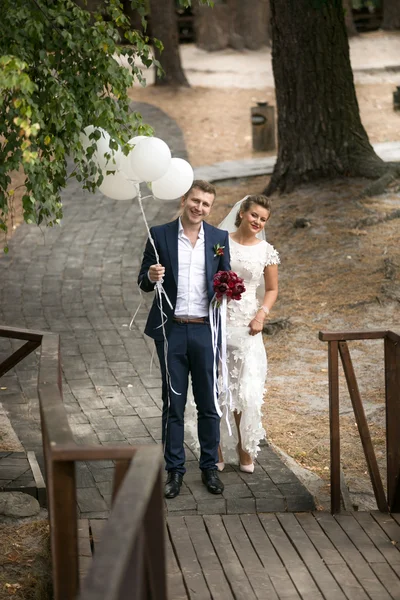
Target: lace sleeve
272 256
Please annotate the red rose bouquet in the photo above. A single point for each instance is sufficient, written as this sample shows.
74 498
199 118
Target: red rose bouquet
229 284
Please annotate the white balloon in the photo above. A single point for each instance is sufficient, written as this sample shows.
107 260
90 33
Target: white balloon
125 163
117 187
135 140
176 182
125 167
150 159
102 148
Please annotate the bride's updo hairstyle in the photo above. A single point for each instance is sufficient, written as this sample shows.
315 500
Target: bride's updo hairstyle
246 206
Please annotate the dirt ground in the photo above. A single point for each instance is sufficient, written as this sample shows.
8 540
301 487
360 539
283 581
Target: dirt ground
214 113
216 122
9 441
25 561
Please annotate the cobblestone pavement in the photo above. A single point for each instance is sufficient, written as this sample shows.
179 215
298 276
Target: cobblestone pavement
79 280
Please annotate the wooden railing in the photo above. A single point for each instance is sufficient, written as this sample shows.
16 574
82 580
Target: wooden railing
131 556
134 555
337 345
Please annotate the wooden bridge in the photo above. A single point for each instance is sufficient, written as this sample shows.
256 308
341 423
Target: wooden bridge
269 556
139 554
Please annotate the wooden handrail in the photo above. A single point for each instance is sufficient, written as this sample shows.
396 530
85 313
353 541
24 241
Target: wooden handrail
61 453
395 337
21 334
344 336
128 537
337 346
55 419
67 452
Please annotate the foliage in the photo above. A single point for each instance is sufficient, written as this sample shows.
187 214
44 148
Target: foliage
61 70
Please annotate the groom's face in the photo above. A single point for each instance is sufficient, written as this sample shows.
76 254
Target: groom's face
197 206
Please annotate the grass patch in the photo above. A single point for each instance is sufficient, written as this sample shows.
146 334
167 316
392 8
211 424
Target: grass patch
25 561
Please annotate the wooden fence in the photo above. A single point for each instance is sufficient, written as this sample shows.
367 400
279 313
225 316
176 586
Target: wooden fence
133 557
337 346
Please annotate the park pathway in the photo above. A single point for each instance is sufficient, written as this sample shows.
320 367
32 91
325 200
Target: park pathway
79 280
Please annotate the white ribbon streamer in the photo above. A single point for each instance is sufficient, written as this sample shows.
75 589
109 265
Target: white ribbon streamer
217 315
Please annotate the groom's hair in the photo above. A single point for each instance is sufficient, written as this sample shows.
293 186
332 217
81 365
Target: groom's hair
202 185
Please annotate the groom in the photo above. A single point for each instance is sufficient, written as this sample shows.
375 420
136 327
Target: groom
190 253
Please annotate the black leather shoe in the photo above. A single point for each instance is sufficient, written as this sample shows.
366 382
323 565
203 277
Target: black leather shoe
212 481
173 484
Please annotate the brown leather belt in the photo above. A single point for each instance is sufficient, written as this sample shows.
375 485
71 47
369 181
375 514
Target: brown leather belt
194 320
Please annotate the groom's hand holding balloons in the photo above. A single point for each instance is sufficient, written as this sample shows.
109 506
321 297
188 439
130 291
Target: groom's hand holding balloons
156 272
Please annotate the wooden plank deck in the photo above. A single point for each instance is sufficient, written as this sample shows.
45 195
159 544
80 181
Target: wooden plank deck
278 556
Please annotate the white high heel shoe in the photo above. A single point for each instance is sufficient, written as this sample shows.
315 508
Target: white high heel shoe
220 466
245 468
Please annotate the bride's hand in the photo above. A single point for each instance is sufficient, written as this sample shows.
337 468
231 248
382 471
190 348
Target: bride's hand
256 326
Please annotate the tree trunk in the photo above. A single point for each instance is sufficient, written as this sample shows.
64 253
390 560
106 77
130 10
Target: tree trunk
320 134
164 26
213 26
251 21
348 18
236 23
391 14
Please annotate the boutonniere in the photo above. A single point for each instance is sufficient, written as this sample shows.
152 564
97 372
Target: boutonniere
218 250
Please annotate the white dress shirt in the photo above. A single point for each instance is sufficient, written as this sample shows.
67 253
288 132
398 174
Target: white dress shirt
192 297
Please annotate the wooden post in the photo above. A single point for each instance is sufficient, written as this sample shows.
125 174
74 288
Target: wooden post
46 459
392 389
121 468
63 530
363 428
333 369
155 543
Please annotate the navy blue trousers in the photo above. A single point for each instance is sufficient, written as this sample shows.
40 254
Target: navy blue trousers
189 351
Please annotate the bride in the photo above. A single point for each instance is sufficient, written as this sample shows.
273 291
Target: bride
256 261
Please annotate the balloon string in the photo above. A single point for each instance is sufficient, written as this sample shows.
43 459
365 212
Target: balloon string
138 308
147 225
160 291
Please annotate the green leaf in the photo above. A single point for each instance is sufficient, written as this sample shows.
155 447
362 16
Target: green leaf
58 75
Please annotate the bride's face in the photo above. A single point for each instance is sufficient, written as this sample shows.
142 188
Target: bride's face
254 219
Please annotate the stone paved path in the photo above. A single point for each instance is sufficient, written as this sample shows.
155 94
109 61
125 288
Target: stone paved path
79 280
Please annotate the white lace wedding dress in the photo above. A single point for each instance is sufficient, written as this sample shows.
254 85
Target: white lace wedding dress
247 359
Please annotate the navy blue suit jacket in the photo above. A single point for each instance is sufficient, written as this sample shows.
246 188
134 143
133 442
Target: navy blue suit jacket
166 241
